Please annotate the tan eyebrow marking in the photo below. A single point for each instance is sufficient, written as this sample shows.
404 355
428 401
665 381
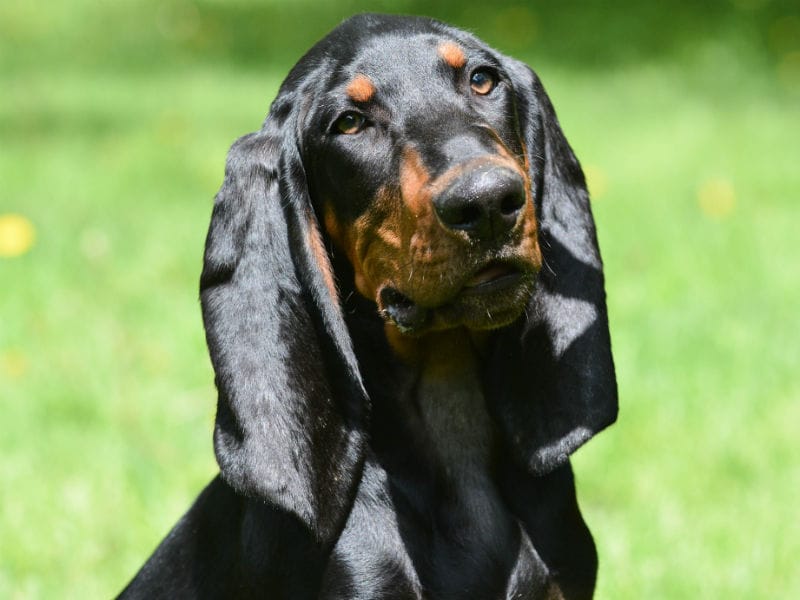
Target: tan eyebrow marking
452 54
360 89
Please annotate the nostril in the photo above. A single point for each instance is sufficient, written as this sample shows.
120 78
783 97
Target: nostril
467 216
511 203
457 212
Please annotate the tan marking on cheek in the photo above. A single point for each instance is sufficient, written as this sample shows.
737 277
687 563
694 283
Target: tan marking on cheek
359 256
345 240
530 235
389 234
314 241
344 236
452 54
333 228
526 159
531 224
360 89
529 244
381 244
371 244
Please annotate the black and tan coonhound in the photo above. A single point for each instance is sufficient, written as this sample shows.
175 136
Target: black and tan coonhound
404 305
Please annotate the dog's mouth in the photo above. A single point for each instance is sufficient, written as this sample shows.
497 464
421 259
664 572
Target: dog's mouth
491 297
495 276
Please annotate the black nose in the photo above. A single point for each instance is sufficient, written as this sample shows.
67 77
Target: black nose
486 203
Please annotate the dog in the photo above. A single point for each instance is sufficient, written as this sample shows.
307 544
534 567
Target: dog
404 306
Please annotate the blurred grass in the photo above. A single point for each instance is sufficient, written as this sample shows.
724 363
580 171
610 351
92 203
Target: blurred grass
114 123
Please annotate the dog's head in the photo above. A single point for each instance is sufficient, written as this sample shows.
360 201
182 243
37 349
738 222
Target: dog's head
437 167
417 164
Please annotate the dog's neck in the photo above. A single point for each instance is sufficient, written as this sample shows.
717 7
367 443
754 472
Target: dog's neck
438 388
450 400
459 441
448 395
432 434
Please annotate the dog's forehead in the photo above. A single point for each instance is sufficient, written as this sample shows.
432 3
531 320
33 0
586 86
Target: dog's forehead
388 52
399 63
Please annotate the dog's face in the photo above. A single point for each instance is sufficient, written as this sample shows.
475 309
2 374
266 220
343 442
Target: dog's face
419 175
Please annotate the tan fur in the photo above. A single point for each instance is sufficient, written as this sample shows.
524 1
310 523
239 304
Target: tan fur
399 242
360 89
314 241
452 54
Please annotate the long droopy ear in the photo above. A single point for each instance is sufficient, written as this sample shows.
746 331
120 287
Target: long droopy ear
552 373
291 409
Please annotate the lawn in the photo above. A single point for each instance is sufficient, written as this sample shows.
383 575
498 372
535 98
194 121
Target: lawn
115 119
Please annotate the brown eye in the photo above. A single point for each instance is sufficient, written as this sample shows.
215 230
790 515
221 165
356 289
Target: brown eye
482 81
349 123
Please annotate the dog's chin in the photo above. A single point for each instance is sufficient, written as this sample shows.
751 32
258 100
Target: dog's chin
494 297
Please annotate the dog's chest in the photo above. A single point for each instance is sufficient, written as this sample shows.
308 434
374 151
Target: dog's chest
431 522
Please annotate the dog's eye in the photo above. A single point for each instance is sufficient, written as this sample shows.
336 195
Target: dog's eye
482 81
349 123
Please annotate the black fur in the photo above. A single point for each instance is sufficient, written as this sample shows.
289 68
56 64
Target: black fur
335 481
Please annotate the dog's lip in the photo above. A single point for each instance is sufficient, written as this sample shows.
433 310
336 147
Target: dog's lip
402 310
492 277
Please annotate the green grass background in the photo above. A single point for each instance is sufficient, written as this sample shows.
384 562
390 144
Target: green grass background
115 118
